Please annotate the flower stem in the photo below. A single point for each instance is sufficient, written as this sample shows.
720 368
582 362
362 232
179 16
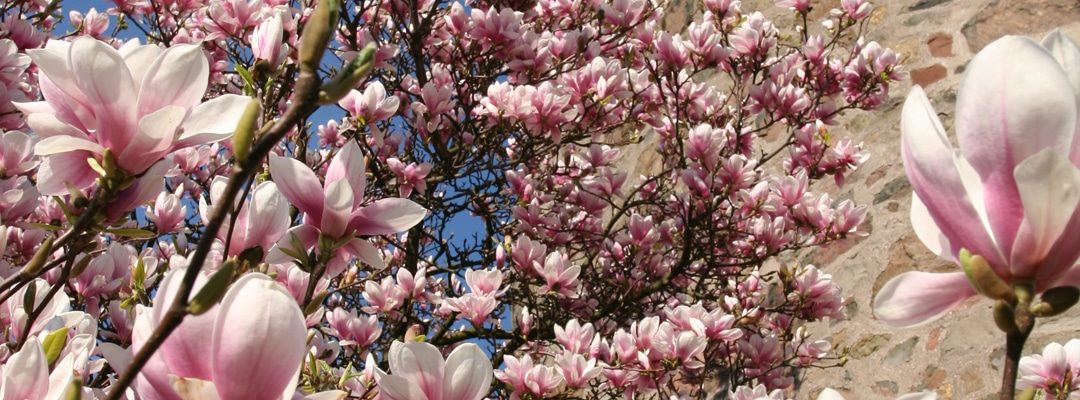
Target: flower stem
1014 341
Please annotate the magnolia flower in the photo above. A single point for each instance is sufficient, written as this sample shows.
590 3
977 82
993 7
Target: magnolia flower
266 41
420 373
335 209
1010 194
1055 371
257 342
141 102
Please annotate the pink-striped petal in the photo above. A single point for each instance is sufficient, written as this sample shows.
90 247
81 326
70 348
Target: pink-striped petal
387 217
1014 101
299 184
915 298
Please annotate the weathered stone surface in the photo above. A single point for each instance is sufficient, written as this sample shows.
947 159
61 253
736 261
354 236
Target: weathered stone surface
1010 17
928 75
868 344
895 187
924 4
940 45
901 353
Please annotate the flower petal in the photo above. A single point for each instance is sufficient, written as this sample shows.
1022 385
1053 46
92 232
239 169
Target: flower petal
387 217
259 324
468 374
26 373
1050 188
337 204
420 363
915 298
397 388
69 167
104 79
299 184
157 132
178 77
65 144
927 230
1014 101
932 169
349 164
213 120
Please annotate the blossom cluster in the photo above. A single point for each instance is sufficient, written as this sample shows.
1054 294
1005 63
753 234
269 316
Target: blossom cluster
178 222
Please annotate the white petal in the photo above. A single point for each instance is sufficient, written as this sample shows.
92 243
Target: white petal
1050 188
213 120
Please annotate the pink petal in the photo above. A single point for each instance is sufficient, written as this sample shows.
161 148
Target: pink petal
337 204
932 170
419 363
1050 188
106 82
213 120
178 77
143 191
468 374
1014 101
397 388
46 125
65 144
25 373
927 231
915 298
68 167
259 340
1067 54
387 216
349 164
184 352
268 216
299 184
155 137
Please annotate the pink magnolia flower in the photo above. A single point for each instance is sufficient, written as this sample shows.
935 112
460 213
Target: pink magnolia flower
168 213
262 222
266 41
1010 195
409 177
16 154
257 341
1048 371
354 330
420 373
25 375
336 206
373 105
141 102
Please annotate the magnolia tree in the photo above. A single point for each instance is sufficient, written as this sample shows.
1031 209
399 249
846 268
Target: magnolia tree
179 222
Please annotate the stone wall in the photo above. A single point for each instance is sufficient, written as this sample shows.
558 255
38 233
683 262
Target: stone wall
960 355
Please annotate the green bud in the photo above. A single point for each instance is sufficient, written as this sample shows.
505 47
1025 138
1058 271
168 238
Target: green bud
245 129
316 302
349 76
34 265
108 161
1056 301
29 296
80 266
316 35
53 345
983 278
1004 317
1028 394
214 290
74 390
96 166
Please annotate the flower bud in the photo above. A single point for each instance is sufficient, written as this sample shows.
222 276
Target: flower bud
1004 317
346 79
34 266
317 33
1056 301
214 290
245 129
983 278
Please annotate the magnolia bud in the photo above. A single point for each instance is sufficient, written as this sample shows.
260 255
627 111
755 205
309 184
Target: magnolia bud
34 266
245 129
983 278
1004 317
1056 301
320 25
214 290
349 76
